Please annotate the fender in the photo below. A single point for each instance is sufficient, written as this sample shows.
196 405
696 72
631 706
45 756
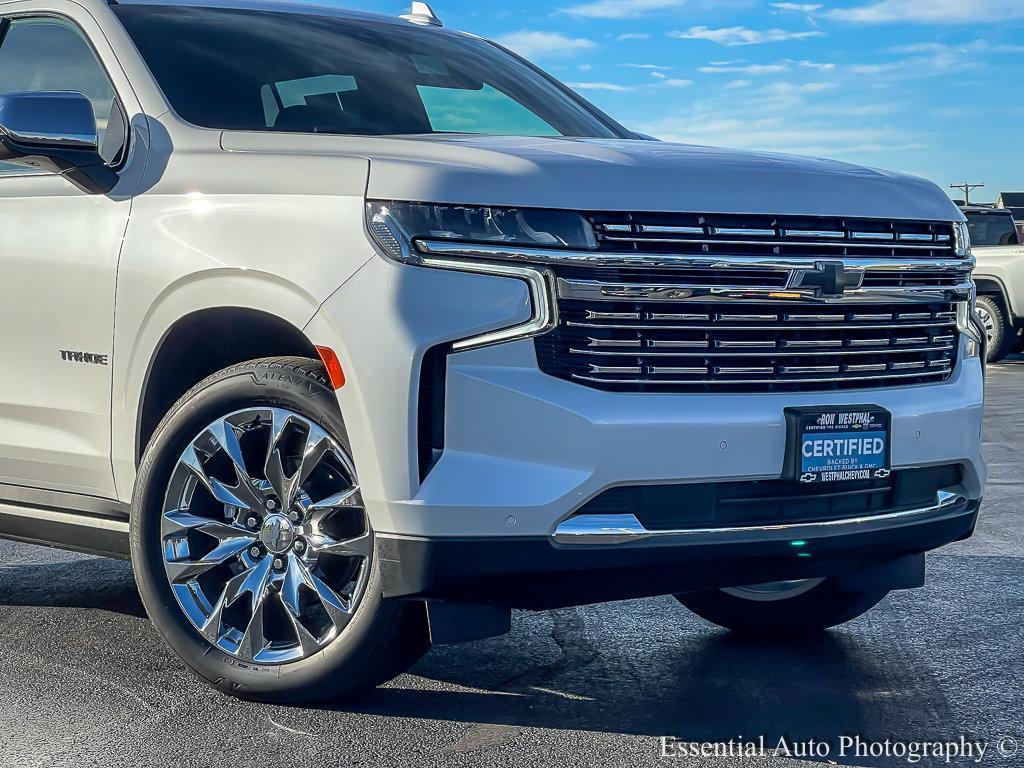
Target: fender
224 288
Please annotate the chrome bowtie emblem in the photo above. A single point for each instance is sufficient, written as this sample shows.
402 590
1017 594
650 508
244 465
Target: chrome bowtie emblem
828 278
278 534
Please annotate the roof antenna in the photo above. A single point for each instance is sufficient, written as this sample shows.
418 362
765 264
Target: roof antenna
422 13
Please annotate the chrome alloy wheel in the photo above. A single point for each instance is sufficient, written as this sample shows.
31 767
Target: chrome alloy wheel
265 540
776 590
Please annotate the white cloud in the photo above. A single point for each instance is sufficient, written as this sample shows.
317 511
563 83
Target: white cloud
634 36
659 75
797 7
742 35
653 67
621 9
971 47
613 87
932 12
778 134
817 65
825 117
790 89
675 82
744 69
939 62
545 45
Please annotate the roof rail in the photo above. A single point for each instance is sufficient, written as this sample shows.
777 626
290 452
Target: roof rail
422 13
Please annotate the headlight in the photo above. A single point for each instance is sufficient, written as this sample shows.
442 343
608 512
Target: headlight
396 226
962 237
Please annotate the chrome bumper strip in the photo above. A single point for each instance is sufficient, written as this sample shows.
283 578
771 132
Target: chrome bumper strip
605 530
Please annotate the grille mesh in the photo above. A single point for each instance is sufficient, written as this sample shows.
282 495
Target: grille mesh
736 347
702 234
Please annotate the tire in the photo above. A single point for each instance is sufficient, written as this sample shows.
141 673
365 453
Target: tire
1001 335
802 608
351 638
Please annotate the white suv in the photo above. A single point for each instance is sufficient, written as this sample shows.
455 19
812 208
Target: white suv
356 333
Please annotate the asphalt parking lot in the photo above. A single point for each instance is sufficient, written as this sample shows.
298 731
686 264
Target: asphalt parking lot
84 679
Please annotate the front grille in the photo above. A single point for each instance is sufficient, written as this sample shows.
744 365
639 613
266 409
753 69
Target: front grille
711 234
676 302
749 347
772 502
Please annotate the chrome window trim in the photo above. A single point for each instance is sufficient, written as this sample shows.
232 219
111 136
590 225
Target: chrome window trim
617 530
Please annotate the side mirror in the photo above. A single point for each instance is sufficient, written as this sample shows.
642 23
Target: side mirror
54 131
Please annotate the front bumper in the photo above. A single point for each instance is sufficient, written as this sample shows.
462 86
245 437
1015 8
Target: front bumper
524 450
538 574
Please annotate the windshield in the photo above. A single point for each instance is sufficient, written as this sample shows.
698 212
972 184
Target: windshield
303 72
992 229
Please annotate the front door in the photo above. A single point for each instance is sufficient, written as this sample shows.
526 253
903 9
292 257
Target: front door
59 248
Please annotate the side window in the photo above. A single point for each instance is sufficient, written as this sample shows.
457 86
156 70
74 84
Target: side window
52 55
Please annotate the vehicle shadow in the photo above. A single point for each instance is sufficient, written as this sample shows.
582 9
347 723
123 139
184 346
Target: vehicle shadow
645 668
94 583
696 684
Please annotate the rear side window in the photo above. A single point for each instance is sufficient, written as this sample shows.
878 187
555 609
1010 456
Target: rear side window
52 55
992 229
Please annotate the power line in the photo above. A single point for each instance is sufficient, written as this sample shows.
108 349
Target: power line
967 188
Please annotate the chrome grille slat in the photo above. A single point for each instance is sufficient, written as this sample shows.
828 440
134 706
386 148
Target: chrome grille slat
931 375
802 348
800 244
648 327
710 354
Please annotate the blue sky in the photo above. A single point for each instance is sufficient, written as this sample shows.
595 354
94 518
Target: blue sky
930 87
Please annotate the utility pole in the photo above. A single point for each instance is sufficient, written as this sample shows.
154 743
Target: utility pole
967 189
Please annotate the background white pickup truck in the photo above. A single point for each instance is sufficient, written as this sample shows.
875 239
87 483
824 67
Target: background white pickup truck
1000 277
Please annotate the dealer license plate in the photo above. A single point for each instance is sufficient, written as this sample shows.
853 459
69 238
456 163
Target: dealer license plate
836 445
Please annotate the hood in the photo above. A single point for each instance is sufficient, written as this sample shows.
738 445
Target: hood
617 175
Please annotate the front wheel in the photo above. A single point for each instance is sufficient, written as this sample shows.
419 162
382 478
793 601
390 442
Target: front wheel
253 552
783 609
1001 336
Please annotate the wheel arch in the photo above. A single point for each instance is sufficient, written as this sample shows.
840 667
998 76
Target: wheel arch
201 343
994 288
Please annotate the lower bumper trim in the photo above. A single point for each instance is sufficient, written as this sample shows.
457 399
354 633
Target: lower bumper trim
605 530
536 573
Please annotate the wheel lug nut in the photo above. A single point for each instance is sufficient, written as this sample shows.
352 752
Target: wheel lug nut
300 546
255 551
252 522
279 563
271 504
295 517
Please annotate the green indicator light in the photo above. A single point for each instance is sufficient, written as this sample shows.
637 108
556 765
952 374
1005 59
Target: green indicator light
804 554
798 543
